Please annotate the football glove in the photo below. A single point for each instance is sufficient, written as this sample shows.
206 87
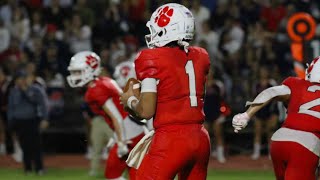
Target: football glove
122 149
240 121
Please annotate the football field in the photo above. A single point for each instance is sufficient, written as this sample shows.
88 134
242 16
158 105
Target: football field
81 174
75 167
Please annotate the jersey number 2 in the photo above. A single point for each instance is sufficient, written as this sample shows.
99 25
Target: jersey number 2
306 107
192 83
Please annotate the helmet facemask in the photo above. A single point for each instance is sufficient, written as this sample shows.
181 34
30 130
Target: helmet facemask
150 37
79 77
313 71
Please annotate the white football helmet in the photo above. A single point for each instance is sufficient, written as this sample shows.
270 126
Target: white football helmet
170 22
84 67
313 71
123 72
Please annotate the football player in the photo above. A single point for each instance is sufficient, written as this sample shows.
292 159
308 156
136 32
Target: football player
102 96
122 73
295 147
173 76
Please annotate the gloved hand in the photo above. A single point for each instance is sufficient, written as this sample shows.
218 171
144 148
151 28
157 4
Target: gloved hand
122 149
240 121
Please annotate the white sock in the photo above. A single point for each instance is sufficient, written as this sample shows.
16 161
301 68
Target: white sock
220 151
17 148
89 149
2 148
257 148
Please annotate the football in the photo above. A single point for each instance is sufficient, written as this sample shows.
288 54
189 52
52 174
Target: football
136 87
136 92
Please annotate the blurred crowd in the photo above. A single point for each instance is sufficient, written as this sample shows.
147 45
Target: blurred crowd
241 36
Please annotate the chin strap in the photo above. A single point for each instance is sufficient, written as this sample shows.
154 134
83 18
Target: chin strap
184 44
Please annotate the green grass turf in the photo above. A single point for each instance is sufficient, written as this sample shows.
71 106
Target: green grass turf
81 174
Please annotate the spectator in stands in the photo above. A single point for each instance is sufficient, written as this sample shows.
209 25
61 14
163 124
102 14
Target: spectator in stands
12 144
3 84
249 12
211 38
110 22
105 60
136 15
218 17
54 14
273 14
200 13
6 11
37 24
20 25
62 3
85 12
118 50
32 75
234 10
35 49
214 109
78 35
4 37
27 115
266 117
11 57
232 36
51 68
210 4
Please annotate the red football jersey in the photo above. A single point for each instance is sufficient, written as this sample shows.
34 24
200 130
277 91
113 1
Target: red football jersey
97 94
304 105
181 82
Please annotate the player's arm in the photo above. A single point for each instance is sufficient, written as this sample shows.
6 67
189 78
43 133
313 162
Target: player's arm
112 111
145 106
280 93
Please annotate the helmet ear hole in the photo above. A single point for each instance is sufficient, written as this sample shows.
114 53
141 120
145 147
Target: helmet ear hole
160 33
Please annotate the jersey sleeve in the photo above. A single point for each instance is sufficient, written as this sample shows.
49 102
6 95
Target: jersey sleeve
146 66
290 82
100 96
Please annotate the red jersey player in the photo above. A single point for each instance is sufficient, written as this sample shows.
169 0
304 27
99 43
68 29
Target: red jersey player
122 73
295 147
173 78
102 96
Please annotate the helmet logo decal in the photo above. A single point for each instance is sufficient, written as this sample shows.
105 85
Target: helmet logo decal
125 71
314 61
92 61
163 17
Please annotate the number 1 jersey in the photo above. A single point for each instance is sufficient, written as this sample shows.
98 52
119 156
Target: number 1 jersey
303 106
181 81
